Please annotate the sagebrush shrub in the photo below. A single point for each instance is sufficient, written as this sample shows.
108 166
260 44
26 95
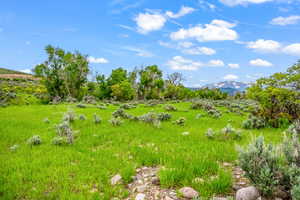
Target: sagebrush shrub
89 99
70 99
271 170
102 107
202 105
294 128
97 119
180 121
198 116
150 118
164 116
170 108
121 113
59 140
116 121
81 106
64 130
14 147
126 106
261 165
253 123
82 117
210 133
69 116
228 132
214 113
34 140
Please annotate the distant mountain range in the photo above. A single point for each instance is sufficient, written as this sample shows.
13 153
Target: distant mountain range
230 87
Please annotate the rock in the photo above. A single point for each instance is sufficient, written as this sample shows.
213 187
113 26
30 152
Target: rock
141 188
247 193
185 133
140 196
168 198
155 181
226 164
219 198
116 179
189 192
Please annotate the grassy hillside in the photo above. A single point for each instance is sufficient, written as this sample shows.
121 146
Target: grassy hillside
9 71
83 170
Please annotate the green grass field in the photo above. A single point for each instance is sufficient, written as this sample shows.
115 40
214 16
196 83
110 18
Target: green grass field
100 151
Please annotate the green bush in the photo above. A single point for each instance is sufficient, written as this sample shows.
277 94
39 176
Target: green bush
253 123
272 170
170 108
34 140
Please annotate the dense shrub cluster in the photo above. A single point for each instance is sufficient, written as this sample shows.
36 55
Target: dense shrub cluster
116 121
278 96
273 170
205 105
180 121
253 123
294 128
164 116
19 91
228 132
170 108
64 133
34 140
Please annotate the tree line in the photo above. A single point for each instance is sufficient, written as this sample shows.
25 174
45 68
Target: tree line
65 74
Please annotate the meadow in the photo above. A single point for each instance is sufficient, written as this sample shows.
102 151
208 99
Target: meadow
83 170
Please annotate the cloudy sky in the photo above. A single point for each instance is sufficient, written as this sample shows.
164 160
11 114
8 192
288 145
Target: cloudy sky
208 41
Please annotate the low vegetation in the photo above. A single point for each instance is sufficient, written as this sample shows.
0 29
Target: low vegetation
77 134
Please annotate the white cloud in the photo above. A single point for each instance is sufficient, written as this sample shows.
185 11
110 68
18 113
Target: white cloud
264 46
242 2
215 63
199 51
233 65
246 2
189 48
260 63
283 21
139 52
230 77
293 49
185 44
184 10
180 63
147 22
27 71
92 59
126 27
203 4
217 30
166 44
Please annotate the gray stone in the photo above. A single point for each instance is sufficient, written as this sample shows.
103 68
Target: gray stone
155 181
168 198
116 179
219 198
140 196
141 188
189 192
247 193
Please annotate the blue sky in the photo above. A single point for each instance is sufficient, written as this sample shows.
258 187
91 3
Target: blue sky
208 41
